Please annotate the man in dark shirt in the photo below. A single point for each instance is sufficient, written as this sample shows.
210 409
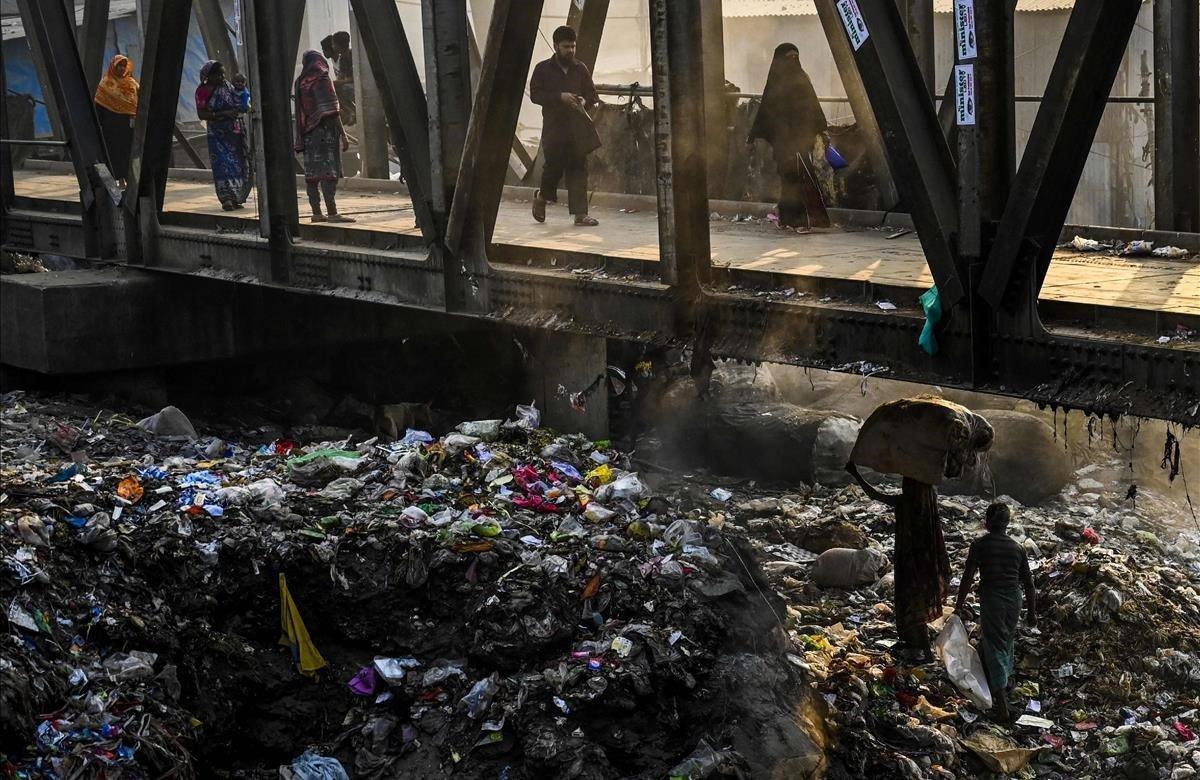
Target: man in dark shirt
1004 573
563 87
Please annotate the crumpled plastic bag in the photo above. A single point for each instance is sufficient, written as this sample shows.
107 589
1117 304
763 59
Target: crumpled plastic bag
528 417
962 662
487 430
628 486
168 424
134 665
311 766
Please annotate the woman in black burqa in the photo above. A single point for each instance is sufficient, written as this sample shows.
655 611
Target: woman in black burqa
789 118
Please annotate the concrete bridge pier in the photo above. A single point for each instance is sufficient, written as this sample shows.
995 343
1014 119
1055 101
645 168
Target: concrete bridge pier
562 367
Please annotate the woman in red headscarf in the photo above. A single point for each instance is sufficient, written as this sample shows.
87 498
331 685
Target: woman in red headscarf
320 135
116 105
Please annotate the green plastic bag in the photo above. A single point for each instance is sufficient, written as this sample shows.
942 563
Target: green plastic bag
931 302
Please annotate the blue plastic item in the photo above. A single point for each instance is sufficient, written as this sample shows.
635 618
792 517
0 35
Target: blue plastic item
834 157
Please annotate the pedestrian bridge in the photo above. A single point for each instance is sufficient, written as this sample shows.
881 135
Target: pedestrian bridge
1090 331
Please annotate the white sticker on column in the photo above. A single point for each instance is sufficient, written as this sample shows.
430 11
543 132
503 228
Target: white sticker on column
964 29
964 94
852 19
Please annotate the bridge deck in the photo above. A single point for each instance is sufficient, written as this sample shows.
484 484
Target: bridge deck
865 255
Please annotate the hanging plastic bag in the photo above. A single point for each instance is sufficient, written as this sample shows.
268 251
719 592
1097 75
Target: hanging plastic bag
931 303
962 662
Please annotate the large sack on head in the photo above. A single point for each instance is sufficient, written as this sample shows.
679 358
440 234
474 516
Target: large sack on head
926 438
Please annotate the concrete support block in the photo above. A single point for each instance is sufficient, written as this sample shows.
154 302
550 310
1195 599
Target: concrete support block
576 364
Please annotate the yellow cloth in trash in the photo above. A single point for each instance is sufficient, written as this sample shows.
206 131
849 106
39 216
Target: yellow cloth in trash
295 635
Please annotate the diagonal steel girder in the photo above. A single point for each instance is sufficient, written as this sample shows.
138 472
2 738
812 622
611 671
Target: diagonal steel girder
1088 59
162 71
93 34
395 69
52 28
215 32
502 79
921 165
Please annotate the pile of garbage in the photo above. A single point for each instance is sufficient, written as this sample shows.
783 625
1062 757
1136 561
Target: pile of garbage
1108 685
498 601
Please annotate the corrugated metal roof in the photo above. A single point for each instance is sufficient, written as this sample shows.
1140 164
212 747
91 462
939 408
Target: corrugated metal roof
743 8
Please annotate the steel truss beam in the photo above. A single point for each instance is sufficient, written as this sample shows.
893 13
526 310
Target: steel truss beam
860 103
1177 115
53 30
918 23
520 161
7 186
921 165
679 146
448 74
274 59
502 80
93 35
392 61
1088 59
215 32
1103 377
154 125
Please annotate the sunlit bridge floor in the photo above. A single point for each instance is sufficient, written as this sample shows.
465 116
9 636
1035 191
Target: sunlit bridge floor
859 255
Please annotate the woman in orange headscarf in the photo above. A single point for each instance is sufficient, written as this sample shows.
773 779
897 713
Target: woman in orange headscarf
116 105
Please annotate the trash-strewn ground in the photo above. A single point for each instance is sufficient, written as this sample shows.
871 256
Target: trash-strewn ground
502 601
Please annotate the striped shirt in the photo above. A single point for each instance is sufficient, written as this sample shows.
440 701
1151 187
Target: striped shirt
1001 561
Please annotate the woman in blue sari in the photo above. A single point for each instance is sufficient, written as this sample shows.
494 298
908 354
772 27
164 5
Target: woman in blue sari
218 105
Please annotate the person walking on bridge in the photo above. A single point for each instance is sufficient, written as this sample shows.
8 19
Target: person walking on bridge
790 118
562 86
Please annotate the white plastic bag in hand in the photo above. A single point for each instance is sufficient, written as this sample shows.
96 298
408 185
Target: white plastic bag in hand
962 662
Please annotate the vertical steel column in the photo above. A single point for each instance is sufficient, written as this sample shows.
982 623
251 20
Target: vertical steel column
93 35
7 188
215 32
502 80
150 158
986 163
679 143
448 76
53 29
372 127
403 100
716 102
1093 46
274 48
860 103
918 22
1176 115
